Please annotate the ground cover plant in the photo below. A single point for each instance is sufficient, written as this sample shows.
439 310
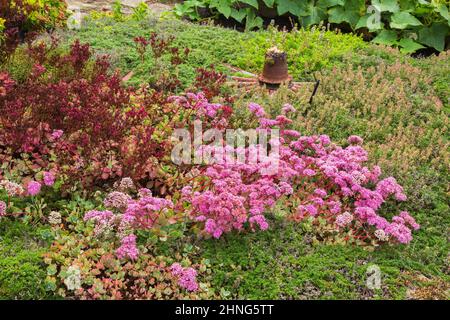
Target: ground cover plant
96 208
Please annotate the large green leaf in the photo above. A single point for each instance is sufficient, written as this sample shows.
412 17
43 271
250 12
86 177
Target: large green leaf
386 5
330 3
223 6
407 5
386 37
369 21
315 15
348 13
434 36
402 20
253 3
269 3
443 11
252 21
238 15
297 8
408 45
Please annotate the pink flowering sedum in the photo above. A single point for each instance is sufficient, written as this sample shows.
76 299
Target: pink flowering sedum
187 277
33 188
49 178
128 248
2 208
57 134
138 214
12 189
330 182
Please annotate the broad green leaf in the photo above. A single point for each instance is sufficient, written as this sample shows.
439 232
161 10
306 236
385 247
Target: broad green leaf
443 11
386 5
330 3
269 3
238 15
253 3
386 37
252 21
224 10
408 45
362 22
407 5
297 8
343 14
369 21
402 20
434 36
315 16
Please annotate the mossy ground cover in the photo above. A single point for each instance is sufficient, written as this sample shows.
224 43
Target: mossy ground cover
398 104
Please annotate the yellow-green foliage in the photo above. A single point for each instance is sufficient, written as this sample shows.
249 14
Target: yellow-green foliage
308 50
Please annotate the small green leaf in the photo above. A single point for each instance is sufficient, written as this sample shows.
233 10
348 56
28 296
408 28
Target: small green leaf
386 37
408 45
402 20
51 270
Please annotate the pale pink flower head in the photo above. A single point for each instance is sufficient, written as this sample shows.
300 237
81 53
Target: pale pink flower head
33 188
12 189
287 108
2 208
256 109
344 219
355 140
49 178
56 134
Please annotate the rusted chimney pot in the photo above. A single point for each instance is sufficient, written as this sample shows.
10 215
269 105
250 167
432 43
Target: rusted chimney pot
275 67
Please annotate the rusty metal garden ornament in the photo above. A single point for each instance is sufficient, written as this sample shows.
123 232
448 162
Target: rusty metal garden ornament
275 70
274 74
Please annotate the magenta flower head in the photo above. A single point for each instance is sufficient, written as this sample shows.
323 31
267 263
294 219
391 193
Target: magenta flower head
33 188
56 134
49 179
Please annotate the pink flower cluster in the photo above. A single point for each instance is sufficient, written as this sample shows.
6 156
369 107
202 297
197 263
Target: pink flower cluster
187 277
128 248
3 207
132 214
215 113
12 189
49 178
235 198
329 181
33 188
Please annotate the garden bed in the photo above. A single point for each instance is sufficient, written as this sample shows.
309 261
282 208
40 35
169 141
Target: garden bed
51 235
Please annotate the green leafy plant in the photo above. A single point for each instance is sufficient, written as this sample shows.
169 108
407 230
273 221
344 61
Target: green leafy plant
408 24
